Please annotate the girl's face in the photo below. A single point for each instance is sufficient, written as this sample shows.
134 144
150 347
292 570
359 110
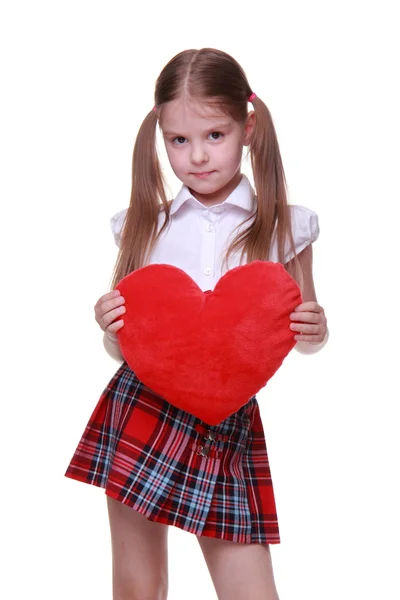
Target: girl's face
204 147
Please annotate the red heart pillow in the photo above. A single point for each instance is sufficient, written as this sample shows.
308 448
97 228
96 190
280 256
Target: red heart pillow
208 352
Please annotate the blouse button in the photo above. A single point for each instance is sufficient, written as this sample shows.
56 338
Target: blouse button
207 271
210 227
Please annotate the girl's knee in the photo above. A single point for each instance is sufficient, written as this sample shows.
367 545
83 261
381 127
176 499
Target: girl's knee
126 587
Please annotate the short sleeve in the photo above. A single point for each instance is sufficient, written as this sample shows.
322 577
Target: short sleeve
305 228
117 222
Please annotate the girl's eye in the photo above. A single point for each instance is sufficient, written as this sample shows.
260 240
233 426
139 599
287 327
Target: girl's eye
179 140
216 135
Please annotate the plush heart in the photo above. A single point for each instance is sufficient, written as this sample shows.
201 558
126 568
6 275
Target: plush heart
208 352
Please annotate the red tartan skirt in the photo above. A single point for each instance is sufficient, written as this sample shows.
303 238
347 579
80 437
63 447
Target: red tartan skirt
171 467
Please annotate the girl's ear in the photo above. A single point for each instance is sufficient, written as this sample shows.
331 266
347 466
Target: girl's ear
248 127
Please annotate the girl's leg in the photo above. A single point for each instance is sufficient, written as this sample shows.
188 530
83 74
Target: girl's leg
139 554
239 571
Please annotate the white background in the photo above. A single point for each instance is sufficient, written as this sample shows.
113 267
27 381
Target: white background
78 79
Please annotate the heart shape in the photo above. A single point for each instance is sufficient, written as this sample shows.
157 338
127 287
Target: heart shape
208 352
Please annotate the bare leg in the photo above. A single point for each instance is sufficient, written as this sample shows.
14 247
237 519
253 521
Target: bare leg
139 554
239 571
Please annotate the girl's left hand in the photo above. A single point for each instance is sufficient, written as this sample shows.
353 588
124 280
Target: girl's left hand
312 324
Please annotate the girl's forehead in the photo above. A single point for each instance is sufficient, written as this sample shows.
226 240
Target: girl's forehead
184 112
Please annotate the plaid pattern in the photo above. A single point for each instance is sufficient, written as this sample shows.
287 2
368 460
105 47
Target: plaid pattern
155 458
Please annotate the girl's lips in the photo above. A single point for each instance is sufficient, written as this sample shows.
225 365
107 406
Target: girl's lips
202 175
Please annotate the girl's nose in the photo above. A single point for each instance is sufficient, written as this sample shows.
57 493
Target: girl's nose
199 155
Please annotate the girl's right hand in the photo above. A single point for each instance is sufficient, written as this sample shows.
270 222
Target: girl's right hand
107 310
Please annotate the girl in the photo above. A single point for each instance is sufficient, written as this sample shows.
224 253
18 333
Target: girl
159 465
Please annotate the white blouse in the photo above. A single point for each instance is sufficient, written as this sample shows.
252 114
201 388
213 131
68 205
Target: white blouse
197 236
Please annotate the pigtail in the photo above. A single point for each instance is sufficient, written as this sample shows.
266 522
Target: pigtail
273 216
273 219
140 228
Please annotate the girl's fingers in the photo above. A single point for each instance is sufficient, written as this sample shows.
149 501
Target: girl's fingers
308 333
308 317
110 304
106 306
114 327
111 316
108 296
308 338
310 306
306 329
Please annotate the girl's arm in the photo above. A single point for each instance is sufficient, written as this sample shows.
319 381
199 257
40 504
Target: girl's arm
112 348
308 293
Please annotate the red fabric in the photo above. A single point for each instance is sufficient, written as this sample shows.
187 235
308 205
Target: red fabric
173 469
208 352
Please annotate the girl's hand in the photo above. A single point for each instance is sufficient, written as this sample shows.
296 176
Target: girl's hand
312 324
107 310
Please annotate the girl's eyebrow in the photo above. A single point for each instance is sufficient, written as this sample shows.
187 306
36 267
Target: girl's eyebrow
213 127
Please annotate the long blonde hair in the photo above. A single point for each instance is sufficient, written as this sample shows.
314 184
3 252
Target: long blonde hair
214 77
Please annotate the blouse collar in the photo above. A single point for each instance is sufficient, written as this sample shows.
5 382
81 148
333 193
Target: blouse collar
242 196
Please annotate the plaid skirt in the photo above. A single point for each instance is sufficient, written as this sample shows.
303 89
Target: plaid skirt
174 469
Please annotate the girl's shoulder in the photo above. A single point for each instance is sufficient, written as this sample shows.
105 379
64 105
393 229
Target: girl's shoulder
304 220
117 222
305 227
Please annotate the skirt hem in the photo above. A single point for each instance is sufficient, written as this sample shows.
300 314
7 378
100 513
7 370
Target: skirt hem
142 511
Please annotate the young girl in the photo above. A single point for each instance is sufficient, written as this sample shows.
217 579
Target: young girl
159 465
